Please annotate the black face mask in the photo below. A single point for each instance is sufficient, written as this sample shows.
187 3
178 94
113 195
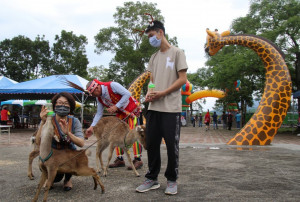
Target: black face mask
62 110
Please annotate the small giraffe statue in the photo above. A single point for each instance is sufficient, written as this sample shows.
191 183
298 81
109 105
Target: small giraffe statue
263 125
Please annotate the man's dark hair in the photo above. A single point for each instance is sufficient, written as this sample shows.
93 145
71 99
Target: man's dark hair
156 26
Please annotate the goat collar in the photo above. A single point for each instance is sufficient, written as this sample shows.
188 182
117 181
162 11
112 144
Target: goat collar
48 157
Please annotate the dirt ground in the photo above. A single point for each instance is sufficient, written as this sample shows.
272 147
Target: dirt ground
209 170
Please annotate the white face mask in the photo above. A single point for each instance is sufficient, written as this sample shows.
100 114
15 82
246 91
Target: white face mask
154 41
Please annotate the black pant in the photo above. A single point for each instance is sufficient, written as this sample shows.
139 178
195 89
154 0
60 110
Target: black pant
3 122
163 125
59 177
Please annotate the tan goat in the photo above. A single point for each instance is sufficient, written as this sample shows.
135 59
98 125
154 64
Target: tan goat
61 161
112 132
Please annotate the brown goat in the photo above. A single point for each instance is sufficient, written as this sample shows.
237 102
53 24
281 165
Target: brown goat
111 131
61 161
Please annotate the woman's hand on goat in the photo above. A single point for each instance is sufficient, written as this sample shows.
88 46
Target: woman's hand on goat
43 113
64 126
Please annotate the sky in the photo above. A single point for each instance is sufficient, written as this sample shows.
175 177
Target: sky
187 20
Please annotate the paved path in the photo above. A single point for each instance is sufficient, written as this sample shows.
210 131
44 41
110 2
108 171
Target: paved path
196 135
209 170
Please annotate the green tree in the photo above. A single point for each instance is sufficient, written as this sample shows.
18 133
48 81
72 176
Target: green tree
17 58
98 72
69 54
41 58
234 63
132 51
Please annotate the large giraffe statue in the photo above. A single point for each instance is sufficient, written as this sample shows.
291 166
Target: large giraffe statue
263 125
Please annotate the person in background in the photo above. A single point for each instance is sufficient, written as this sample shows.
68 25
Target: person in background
16 120
224 120
238 120
4 115
193 120
200 120
229 120
183 121
207 120
215 120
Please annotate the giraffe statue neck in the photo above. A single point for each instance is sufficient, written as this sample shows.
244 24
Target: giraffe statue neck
137 85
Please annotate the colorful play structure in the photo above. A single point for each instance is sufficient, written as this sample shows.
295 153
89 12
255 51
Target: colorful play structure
203 94
264 124
186 91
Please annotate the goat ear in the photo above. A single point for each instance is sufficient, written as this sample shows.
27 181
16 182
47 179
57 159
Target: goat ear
139 128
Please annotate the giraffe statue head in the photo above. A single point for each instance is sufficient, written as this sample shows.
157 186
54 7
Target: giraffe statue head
214 41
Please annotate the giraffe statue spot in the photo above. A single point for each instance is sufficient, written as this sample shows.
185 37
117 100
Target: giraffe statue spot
271 132
262 136
249 136
245 142
255 142
267 110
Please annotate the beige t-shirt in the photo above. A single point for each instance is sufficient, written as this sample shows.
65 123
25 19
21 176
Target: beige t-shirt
164 67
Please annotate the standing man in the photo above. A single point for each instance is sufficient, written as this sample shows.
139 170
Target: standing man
215 120
200 120
229 120
207 120
193 120
238 120
116 99
168 72
224 120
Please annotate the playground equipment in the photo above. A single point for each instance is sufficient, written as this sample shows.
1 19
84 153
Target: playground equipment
264 124
186 91
205 93
232 107
237 85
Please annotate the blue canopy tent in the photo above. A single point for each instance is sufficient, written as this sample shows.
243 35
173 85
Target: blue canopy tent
45 88
4 82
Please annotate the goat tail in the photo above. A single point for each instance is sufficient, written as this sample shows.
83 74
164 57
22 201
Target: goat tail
88 152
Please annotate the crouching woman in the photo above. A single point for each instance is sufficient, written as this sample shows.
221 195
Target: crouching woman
67 129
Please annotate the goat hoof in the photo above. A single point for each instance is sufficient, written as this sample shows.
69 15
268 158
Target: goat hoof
31 177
